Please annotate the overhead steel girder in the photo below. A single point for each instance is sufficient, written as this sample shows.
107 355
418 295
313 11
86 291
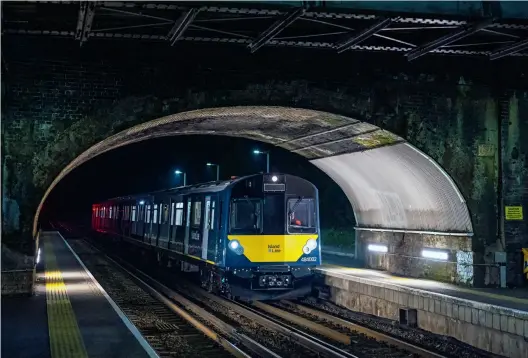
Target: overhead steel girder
509 50
447 39
276 28
181 25
356 39
85 20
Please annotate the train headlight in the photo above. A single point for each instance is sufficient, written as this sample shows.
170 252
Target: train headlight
310 246
235 246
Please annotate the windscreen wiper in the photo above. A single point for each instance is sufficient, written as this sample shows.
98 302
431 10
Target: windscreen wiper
295 205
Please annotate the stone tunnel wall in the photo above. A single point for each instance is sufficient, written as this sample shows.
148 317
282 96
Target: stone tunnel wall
61 100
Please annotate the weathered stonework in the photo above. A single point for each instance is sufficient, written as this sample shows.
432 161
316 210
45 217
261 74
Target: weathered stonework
59 103
491 328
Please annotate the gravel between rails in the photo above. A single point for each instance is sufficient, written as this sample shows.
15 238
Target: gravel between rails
361 345
280 344
441 344
169 334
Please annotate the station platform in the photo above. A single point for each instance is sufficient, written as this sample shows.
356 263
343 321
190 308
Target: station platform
495 320
70 314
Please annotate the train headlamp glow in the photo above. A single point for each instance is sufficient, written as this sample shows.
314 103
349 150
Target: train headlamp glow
311 245
274 178
235 246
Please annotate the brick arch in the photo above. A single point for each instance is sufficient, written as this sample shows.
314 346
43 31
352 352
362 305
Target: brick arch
362 158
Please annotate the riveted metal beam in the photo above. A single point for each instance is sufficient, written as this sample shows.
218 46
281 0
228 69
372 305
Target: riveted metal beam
448 39
181 25
509 50
85 20
276 28
356 39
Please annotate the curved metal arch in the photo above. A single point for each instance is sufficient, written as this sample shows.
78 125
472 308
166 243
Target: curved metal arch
404 190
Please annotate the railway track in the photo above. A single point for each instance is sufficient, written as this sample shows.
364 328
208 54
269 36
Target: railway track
172 325
304 328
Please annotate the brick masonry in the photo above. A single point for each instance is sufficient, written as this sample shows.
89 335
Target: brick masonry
494 329
17 282
58 100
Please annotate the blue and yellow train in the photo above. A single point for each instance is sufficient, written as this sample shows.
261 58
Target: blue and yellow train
255 237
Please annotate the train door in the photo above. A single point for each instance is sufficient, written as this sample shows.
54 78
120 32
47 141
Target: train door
140 221
206 225
178 226
133 223
213 227
163 237
147 223
187 225
154 227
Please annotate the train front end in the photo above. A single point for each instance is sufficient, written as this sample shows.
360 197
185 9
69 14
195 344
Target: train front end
274 241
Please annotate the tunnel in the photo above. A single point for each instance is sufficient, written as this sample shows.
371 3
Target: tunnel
402 200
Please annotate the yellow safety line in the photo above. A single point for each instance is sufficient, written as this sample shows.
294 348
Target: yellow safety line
404 280
64 334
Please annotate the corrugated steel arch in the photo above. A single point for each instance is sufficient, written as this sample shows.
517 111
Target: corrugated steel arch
390 184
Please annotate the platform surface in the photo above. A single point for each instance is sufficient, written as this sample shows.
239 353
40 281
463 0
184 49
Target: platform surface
69 315
516 299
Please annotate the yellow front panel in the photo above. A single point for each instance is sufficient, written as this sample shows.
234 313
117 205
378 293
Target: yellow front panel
273 248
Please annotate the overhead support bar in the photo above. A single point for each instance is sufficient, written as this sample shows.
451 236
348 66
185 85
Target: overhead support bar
509 50
356 39
276 28
181 25
448 39
85 20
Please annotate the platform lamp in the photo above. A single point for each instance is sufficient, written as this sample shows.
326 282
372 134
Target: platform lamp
178 172
217 170
256 151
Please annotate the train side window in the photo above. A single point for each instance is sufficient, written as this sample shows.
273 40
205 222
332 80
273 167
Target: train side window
147 214
134 213
179 214
155 217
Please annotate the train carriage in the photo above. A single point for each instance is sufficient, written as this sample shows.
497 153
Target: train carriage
254 237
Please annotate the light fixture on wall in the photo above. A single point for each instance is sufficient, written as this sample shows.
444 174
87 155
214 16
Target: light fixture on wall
378 248
436 255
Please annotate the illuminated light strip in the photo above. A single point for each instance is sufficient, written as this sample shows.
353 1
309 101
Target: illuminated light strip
199 258
64 334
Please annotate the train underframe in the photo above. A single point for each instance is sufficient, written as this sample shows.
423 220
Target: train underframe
271 282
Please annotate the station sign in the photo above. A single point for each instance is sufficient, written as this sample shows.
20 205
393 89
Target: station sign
513 212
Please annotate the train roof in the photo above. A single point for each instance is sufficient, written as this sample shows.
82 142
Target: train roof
207 187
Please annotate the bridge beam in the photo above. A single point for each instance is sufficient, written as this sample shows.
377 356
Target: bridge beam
358 38
181 25
448 39
85 20
509 50
275 29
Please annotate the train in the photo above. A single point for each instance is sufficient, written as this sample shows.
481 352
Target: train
255 237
